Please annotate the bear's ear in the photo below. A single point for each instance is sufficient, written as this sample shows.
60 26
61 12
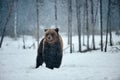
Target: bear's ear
57 30
45 30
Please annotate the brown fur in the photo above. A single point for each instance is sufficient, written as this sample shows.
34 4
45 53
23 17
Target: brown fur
50 49
54 37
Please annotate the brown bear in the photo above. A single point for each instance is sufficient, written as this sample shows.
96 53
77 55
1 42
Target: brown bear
50 49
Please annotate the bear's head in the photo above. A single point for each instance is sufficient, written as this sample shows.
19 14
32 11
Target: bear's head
51 35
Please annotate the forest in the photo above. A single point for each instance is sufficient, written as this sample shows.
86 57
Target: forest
90 30
74 17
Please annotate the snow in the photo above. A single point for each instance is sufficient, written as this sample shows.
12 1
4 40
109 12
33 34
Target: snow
19 64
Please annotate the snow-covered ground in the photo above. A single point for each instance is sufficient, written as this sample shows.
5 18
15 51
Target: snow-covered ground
19 64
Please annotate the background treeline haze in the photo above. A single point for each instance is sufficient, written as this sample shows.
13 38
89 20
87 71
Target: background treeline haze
27 16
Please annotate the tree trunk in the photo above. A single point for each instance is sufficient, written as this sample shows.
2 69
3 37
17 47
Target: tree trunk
7 20
78 23
108 25
24 47
87 26
101 25
110 31
84 23
37 10
93 26
56 13
70 23
15 20
106 37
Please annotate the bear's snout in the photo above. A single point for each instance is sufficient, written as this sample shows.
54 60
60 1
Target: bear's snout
49 37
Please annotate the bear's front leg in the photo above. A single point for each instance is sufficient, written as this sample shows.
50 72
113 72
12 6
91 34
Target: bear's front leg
39 59
58 58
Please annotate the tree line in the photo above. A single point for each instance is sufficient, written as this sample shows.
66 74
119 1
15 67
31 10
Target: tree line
92 14
79 17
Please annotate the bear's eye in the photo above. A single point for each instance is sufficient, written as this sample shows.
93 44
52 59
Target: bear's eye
47 34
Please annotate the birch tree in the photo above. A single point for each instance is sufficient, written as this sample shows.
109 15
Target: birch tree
101 25
78 23
70 23
37 11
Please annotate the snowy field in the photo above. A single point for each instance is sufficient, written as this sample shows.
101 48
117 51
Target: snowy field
19 64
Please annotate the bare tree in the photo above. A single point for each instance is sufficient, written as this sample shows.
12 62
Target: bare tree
70 23
78 23
15 19
94 18
92 24
101 25
84 23
108 24
55 13
87 26
7 20
106 37
110 31
37 11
